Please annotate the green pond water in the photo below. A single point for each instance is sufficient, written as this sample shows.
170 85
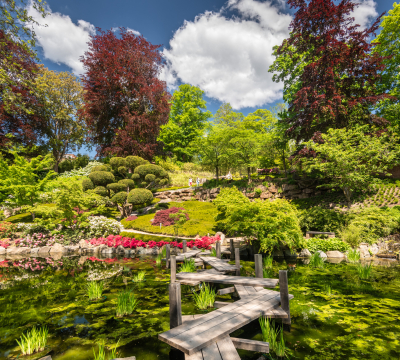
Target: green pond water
335 315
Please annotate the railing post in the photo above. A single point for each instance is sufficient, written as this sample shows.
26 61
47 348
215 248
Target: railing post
184 246
175 310
258 265
173 269
167 257
284 292
218 249
232 249
237 261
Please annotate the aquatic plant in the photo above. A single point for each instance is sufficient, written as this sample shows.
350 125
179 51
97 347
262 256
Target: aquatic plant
267 262
159 260
328 290
353 256
364 271
101 355
213 252
280 348
139 276
205 298
34 340
188 266
164 251
269 332
126 303
94 289
316 260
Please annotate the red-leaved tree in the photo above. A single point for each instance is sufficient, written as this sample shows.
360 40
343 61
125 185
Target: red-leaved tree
125 102
328 66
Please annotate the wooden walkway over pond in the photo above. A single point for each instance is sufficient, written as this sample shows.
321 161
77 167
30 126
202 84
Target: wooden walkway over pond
202 337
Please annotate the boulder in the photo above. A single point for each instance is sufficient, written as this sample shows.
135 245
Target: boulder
84 244
34 251
120 250
261 187
72 249
322 254
335 254
13 250
140 251
290 254
363 250
44 251
251 195
58 248
265 195
186 198
2 250
108 250
305 253
289 187
273 189
214 191
374 249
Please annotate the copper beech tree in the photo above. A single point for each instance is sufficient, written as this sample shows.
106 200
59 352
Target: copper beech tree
328 69
124 101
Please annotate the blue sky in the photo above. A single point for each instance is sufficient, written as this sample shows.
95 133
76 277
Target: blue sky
222 46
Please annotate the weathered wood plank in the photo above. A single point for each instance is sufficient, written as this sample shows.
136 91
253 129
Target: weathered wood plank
228 290
276 313
250 290
220 304
227 279
227 349
258 265
251 345
196 356
217 264
211 352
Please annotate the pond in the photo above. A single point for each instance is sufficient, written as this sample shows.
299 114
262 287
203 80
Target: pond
335 315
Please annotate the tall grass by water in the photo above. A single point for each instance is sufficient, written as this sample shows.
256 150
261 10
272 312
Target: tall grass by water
316 260
126 303
139 276
267 262
364 271
353 256
94 290
159 260
205 298
273 336
188 266
101 354
34 340
213 252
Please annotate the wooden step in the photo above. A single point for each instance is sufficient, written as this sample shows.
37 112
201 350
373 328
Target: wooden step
223 349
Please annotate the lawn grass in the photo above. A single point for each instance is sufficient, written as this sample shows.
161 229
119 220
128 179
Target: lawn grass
201 215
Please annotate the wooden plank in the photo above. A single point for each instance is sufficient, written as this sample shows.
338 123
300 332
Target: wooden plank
284 294
227 279
196 356
190 283
250 290
220 304
258 265
211 271
187 318
258 288
276 313
217 264
211 352
227 349
242 291
228 290
251 345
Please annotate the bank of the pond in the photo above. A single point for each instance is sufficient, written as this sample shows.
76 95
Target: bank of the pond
335 314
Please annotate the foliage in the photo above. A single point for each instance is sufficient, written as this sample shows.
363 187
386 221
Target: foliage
157 175
185 123
37 240
139 276
270 334
316 261
318 218
272 224
364 271
164 218
34 340
120 198
129 184
351 158
331 244
100 190
180 218
140 196
188 266
102 226
94 289
353 256
87 184
101 178
80 162
267 262
85 171
132 162
328 66
7 229
205 298
117 126
126 303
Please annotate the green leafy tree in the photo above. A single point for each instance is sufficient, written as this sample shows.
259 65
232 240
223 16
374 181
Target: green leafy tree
387 44
180 219
20 179
352 159
226 116
186 122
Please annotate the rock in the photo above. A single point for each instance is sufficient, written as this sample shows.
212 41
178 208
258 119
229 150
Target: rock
334 254
305 253
108 250
302 196
290 254
322 254
261 187
140 251
374 249
198 237
334 260
363 250
84 244
187 198
44 251
13 250
308 191
57 248
2 250
34 251
251 195
289 187
294 192
214 191
72 249
273 189
48 357
265 195
120 250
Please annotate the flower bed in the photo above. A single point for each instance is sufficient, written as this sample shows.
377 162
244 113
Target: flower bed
36 264
4 243
38 240
7 229
114 241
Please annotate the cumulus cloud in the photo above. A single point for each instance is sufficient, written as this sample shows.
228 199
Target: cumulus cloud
62 40
365 13
229 57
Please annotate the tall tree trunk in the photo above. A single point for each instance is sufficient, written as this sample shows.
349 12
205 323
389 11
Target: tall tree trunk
216 169
55 167
249 174
347 194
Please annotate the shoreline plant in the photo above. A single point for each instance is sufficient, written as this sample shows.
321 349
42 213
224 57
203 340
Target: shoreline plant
316 260
139 276
33 341
94 290
188 266
126 303
205 298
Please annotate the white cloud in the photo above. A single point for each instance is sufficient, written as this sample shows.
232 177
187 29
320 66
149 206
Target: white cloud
229 57
62 40
135 32
365 13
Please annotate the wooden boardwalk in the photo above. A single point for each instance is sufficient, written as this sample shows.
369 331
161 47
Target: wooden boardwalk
218 264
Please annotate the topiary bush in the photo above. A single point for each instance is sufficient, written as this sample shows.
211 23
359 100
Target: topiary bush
116 162
120 198
127 183
101 168
156 170
140 196
135 177
87 184
101 178
162 217
101 190
116 187
150 178
132 162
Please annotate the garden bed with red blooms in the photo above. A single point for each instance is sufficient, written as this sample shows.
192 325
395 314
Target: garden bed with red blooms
4 243
162 217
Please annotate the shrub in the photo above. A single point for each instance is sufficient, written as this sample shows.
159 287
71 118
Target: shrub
101 178
140 196
127 183
116 187
102 226
122 170
87 184
150 178
320 219
163 182
163 217
143 184
131 218
331 244
101 168
85 171
119 198
135 177
7 229
143 170
100 190
132 162
116 162
161 206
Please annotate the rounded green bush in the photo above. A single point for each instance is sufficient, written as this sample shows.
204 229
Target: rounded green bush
135 177
116 162
87 184
101 168
101 178
163 182
133 162
150 178
120 197
101 190
122 170
116 187
140 196
143 170
164 174
143 184
127 183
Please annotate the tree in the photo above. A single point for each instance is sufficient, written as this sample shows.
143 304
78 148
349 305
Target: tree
125 102
330 64
20 182
186 122
60 96
225 115
351 159
387 45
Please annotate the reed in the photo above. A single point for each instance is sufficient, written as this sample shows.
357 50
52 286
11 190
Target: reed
34 340
126 303
101 354
328 290
316 260
159 260
364 271
213 252
94 290
353 256
267 262
188 266
139 276
280 348
205 298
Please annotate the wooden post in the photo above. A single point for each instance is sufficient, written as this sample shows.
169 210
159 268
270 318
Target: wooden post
258 265
237 261
284 292
167 247
175 311
173 269
184 246
218 249
232 249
